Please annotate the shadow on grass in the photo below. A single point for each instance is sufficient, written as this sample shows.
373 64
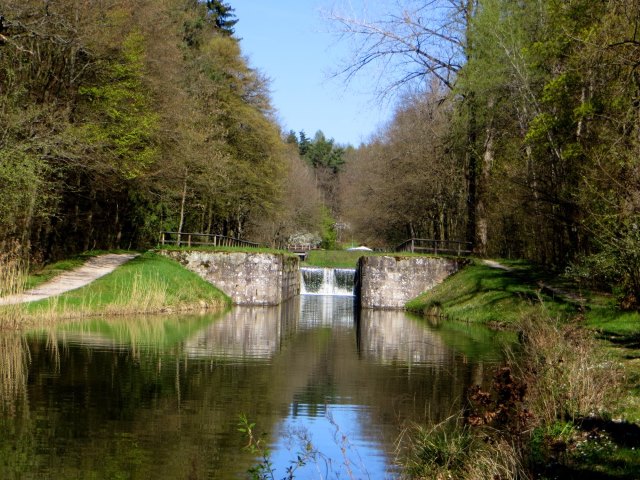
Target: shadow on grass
624 434
606 450
629 341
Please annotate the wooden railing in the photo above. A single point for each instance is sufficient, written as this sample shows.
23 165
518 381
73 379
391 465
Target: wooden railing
191 239
443 247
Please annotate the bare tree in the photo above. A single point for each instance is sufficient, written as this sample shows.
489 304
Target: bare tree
405 184
413 42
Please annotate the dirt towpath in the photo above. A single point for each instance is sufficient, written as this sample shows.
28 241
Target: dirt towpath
570 297
94 268
494 264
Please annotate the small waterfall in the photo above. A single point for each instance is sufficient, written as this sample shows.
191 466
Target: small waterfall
327 281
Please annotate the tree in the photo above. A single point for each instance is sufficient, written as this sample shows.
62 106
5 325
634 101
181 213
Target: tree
303 144
118 120
222 15
405 183
412 41
323 153
298 212
415 41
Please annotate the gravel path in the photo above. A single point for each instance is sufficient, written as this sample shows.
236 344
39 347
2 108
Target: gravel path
494 264
94 268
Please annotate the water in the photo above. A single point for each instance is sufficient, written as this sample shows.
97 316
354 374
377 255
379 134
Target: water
327 281
161 397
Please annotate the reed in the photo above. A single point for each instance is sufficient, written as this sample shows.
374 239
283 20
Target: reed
138 294
13 276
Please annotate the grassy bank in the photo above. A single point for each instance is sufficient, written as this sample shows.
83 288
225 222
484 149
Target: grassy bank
492 296
345 258
333 258
149 283
566 406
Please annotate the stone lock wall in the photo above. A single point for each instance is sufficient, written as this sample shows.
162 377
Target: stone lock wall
248 278
390 281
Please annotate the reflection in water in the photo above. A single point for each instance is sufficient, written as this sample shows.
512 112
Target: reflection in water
392 337
243 332
326 311
160 397
14 359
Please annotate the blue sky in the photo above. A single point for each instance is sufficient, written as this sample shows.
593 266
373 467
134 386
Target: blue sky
290 42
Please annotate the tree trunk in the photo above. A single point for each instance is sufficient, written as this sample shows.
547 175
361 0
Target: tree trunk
482 221
182 205
472 174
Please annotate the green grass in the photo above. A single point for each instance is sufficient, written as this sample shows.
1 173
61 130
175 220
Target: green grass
349 259
603 315
481 294
333 258
148 283
491 296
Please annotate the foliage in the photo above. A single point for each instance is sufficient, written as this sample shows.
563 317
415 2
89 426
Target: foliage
546 415
405 185
222 15
123 120
126 131
532 151
329 234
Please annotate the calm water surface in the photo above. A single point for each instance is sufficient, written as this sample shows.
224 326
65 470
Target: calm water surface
160 398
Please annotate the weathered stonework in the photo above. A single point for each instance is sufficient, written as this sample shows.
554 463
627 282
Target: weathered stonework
390 282
248 278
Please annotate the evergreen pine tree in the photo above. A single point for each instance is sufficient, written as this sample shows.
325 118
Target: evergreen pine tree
222 15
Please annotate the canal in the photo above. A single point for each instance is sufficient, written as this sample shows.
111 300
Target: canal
162 397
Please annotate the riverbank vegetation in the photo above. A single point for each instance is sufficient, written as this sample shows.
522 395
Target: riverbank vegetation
149 283
497 297
565 404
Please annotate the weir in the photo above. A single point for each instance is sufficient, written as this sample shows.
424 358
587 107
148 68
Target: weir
327 281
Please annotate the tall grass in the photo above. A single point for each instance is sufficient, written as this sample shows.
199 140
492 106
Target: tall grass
148 293
567 373
452 449
149 283
13 276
